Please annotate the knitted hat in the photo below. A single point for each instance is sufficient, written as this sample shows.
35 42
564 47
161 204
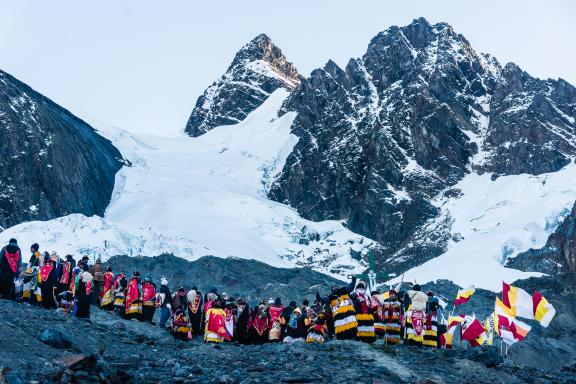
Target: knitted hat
35 246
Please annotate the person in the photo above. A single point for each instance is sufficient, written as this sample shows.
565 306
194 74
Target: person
48 282
231 317
296 326
96 271
209 298
285 316
164 302
364 315
107 291
134 298
36 257
179 300
305 306
65 301
120 285
391 318
84 260
215 328
194 300
10 261
343 313
243 317
414 316
148 299
181 326
82 293
433 311
275 311
66 275
258 325
376 300
31 290
318 330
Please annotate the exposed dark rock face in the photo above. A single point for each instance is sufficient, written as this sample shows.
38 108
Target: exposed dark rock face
258 69
557 256
531 126
379 139
51 162
249 279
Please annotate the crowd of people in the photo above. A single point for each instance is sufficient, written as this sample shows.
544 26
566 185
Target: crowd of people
348 312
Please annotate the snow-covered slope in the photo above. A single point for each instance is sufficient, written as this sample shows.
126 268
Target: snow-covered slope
204 196
493 220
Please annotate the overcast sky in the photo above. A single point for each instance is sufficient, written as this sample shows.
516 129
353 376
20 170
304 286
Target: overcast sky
141 64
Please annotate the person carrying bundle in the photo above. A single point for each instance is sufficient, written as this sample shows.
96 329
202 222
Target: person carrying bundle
107 290
134 298
148 299
215 327
415 316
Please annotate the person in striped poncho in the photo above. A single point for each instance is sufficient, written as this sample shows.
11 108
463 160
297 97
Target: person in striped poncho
343 312
364 315
391 315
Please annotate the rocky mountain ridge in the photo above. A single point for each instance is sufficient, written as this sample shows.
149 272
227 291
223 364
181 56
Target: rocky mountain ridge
52 163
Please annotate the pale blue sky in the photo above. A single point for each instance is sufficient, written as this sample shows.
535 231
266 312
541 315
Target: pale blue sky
141 64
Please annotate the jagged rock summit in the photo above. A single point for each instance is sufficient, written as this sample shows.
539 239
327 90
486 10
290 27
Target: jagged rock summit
52 163
257 70
382 138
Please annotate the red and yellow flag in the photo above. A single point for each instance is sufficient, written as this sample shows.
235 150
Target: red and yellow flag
543 310
463 295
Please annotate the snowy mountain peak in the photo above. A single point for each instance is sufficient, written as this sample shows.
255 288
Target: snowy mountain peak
258 69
